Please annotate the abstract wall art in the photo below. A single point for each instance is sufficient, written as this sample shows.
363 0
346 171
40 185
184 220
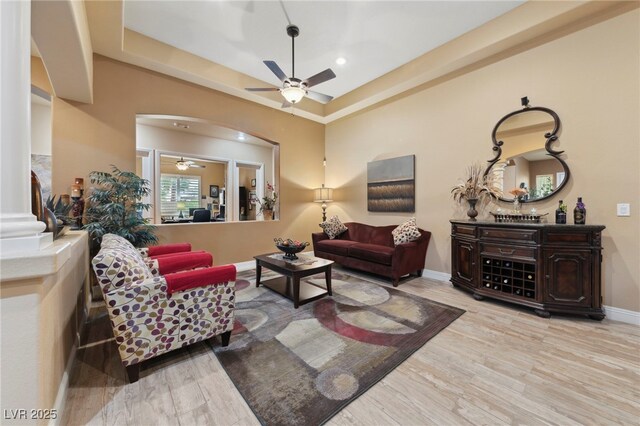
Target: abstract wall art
391 185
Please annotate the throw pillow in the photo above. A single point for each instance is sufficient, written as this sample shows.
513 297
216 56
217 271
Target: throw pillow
406 232
333 227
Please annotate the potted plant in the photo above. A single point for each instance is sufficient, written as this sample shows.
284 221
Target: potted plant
115 207
268 203
478 187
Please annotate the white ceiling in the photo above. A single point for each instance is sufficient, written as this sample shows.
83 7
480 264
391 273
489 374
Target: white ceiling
374 36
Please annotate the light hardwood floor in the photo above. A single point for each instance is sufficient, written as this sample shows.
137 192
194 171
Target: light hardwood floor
497 364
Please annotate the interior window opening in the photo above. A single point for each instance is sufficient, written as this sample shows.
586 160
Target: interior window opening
201 172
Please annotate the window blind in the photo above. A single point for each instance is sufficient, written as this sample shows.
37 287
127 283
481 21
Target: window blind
178 188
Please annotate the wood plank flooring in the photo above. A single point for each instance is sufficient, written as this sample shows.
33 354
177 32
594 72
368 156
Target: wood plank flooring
496 365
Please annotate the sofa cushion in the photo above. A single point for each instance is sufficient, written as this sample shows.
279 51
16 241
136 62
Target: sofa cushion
333 227
369 234
406 232
372 253
337 247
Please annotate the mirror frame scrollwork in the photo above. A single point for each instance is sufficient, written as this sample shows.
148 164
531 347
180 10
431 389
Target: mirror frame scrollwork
551 137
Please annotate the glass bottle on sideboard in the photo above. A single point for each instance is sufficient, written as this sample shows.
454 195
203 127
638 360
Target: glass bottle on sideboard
561 213
580 213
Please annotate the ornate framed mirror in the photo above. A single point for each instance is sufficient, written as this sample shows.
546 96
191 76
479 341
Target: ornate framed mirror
525 163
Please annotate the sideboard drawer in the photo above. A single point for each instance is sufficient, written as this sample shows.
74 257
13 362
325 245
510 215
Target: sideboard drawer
523 253
520 235
469 231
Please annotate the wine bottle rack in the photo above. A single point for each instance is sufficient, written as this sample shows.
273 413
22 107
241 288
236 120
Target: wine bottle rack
506 276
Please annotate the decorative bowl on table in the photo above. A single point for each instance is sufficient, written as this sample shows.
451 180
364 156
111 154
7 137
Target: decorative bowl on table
290 247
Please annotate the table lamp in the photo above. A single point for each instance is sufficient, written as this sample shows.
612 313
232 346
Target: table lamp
180 205
323 195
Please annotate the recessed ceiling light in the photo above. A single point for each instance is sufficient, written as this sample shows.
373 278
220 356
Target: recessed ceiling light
341 61
181 125
241 137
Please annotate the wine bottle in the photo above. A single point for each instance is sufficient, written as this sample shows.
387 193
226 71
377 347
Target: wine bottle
561 213
579 213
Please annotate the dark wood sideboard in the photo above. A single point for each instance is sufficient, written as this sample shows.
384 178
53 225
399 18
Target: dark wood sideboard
548 267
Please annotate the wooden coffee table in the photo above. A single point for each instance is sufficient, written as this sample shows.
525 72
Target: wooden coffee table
289 284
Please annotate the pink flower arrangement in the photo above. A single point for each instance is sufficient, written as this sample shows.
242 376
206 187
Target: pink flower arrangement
268 202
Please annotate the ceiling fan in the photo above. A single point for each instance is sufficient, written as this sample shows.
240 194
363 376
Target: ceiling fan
183 164
293 89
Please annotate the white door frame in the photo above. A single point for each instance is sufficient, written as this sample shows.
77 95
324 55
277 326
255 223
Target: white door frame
259 167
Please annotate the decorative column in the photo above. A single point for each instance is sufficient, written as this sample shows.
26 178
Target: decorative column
20 232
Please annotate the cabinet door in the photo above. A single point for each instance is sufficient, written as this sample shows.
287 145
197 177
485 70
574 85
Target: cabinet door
464 261
568 279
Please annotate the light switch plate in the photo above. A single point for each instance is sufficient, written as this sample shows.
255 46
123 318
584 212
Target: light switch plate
624 209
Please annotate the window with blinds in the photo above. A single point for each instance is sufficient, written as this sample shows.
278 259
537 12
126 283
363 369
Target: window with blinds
178 188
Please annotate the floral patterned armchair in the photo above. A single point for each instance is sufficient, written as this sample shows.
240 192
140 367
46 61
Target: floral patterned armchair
155 306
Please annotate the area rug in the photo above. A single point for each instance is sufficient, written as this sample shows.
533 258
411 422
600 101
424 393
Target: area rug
302 366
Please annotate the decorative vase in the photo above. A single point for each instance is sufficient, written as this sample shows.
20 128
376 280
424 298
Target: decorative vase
516 205
267 214
472 212
77 209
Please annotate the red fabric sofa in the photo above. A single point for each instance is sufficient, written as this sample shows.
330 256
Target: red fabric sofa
371 249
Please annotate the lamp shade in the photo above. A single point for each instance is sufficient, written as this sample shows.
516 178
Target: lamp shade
322 195
293 94
180 205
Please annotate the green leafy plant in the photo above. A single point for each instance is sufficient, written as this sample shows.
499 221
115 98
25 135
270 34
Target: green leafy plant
115 207
60 210
476 186
545 189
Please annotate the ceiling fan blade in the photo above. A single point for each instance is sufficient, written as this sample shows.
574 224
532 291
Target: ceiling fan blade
262 89
321 77
319 96
276 70
197 166
286 104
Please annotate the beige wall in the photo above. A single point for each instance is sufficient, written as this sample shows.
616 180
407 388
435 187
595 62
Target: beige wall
91 137
590 78
40 129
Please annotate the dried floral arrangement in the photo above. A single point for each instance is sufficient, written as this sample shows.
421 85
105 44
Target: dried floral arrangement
477 185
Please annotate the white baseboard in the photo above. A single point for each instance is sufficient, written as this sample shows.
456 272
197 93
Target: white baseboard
436 275
622 315
61 397
245 266
612 313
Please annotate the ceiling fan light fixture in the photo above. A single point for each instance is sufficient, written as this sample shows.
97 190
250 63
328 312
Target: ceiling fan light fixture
293 94
182 166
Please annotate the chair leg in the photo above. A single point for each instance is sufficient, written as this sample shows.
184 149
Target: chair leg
133 372
225 337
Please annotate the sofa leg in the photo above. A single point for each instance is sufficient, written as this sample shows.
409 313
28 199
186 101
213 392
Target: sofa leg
395 282
419 273
133 372
225 337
